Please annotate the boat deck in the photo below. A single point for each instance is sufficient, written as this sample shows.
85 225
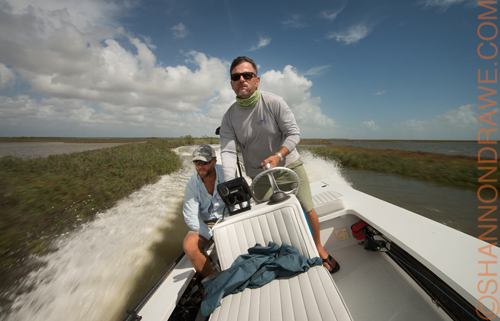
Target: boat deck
375 281
373 286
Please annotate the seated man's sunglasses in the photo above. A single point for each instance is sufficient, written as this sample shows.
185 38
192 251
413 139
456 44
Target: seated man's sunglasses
198 162
246 76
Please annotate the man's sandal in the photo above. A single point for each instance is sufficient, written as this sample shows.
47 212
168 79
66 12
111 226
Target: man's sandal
328 260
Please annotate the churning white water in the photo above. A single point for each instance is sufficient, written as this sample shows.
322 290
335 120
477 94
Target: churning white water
96 268
318 168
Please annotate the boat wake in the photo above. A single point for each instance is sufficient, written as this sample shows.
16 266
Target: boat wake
318 168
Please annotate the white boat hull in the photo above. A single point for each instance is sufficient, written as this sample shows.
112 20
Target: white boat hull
373 285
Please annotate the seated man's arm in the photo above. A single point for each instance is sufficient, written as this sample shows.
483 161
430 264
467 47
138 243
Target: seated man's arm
191 211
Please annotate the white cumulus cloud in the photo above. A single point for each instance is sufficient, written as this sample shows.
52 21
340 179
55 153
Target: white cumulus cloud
456 123
459 123
89 78
180 30
295 89
7 77
370 125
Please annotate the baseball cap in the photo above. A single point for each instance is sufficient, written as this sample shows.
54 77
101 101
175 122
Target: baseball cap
204 153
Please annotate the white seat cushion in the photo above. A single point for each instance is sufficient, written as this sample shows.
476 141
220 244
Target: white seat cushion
307 296
280 223
328 202
311 295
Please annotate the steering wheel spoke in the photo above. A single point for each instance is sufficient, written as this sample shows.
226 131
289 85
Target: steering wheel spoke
272 181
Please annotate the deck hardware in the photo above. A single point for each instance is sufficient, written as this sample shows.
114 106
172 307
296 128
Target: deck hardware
341 234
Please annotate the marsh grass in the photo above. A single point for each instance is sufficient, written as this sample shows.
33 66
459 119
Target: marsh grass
43 198
447 169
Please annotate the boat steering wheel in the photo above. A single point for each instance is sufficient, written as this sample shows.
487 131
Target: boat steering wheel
272 181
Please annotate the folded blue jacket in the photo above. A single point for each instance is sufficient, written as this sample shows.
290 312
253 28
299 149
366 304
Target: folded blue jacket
260 266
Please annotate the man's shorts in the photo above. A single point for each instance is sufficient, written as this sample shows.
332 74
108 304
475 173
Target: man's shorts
206 243
286 182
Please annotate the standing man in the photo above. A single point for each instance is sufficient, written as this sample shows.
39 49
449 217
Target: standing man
202 207
262 125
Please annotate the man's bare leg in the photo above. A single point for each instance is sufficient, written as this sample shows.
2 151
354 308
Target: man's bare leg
314 223
193 247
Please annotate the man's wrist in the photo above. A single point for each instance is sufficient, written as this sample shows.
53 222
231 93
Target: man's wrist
280 156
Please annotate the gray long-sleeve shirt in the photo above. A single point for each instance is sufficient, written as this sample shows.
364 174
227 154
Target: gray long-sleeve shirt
259 131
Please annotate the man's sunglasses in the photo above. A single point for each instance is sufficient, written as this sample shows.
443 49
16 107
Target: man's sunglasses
198 162
246 76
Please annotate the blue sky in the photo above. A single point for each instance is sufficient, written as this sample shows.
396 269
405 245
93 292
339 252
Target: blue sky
362 69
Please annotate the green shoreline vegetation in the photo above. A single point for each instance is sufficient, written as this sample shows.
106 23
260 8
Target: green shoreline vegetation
452 170
42 198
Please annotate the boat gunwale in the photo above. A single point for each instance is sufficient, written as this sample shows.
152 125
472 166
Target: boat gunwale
132 314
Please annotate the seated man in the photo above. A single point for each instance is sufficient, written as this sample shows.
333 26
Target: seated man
202 207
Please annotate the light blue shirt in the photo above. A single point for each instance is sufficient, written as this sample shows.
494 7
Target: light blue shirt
200 206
